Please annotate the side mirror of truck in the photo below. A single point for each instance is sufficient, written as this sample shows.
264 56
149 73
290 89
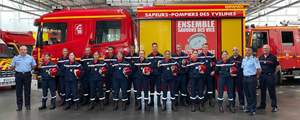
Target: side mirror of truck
92 42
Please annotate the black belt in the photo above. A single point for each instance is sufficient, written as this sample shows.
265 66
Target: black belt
250 76
267 73
23 72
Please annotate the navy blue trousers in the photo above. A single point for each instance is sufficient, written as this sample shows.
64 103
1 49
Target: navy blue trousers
131 82
72 87
197 84
249 84
209 85
98 84
108 86
120 84
172 84
180 85
228 81
155 80
268 81
23 80
238 83
48 84
86 84
62 87
139 84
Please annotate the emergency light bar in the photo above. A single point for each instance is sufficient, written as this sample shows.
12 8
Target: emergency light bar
57 7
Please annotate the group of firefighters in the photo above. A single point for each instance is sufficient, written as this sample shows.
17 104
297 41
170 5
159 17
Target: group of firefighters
120 72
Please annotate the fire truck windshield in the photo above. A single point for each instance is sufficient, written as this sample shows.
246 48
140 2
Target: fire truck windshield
247 38
53 33
258 40
5 52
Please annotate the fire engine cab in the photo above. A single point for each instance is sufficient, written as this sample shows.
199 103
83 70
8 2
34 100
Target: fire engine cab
284 43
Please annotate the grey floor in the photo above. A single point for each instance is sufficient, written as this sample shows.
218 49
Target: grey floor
288 96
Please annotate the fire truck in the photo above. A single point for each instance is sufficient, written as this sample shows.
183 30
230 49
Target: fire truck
7 77
15 39
284 43
192 25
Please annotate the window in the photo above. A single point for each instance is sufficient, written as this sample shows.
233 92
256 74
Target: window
5 52
287 38
54 33
247 38
108 31
258 40
13 49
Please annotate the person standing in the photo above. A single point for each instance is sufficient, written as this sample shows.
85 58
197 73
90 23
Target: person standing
155 75
142 79
238 79
251 70
60 63
23 64
209 73
48 81
109 60
225 78
131 57
96 79
168 79
120 80
85 61
197 78
269 68
72 80
179 57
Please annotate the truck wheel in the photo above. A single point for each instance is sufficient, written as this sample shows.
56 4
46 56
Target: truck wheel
278 77
80 90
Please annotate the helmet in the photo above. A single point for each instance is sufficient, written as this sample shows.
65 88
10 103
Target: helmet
77 72
126 70
201 67
102 70
52 71
185 61
233 70
146 70
174 69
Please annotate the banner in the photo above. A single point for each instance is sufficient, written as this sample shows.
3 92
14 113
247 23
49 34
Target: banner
192 34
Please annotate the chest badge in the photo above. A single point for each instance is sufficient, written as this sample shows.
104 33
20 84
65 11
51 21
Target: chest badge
142 68
95 69
110 63
265 62
168 68
120 68
87 62
132 61
46 70
71 70
206 60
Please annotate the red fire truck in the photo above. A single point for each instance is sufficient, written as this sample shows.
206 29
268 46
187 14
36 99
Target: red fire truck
15 39
219 25
284 43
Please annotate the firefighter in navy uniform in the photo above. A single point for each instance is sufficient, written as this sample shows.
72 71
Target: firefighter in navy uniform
181 57
48 81
96 79
223 69
85 61
109 60
197 78
142 79
60 64
120 79
269 68
71 78
168 75
238 79
130 58
208 59
155 75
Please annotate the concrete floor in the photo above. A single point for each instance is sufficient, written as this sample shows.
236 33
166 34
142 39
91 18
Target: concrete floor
288 96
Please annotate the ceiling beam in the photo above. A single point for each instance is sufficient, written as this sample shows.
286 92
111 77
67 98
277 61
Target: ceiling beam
27 5
1 5
291 4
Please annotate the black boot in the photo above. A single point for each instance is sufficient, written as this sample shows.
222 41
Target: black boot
67 106
124 106
146 106
184 102
102 105
211 102
174 106
139 107
158 101
164 106
232 108
91 105
176 101
136 101
75 106
52 107
62 103
85 101
201 108
151 100
221 110
193 107
106 100
43 106
128 101
115 105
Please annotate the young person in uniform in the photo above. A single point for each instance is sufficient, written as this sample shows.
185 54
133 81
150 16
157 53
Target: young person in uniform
60 64
109 60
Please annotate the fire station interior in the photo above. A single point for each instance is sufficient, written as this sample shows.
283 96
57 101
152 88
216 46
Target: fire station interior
239 23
